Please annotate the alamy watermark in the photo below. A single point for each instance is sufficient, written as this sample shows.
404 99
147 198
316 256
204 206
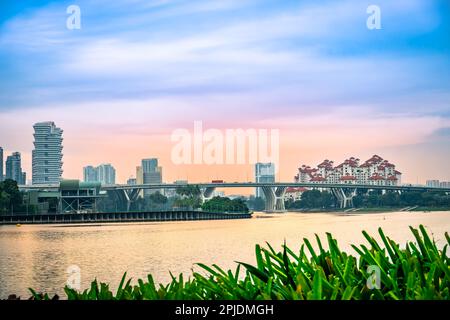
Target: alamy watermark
374 280
74 278
374 20
229 146
74 19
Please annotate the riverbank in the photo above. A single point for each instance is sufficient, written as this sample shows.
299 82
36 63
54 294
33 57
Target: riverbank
372 210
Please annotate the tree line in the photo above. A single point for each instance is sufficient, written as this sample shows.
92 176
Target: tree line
315 199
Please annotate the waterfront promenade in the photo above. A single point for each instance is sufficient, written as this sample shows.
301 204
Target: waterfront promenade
58 218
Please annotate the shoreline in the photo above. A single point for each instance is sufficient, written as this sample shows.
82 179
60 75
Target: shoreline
155 217
372 210
118 217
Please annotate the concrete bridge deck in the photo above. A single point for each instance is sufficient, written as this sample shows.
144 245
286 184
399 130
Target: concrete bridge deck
273 192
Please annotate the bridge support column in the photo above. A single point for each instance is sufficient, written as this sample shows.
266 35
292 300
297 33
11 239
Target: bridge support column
279 193
345 200
126 197
274 199
131 195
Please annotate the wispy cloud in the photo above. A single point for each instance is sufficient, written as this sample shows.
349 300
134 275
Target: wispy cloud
139 68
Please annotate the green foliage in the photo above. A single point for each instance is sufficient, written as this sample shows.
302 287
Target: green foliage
11 199
190 197
256 203
417 271
158 198
312 199
189 191
315 199
407 198
224 204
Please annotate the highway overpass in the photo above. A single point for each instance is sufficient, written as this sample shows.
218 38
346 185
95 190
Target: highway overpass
274 192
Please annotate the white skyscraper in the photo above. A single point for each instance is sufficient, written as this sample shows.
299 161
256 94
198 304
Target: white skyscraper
47 154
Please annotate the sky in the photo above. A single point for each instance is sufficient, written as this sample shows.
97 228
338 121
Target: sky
138 70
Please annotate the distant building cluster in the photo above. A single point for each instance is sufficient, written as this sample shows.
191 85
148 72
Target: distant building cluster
438 184
374 171
104 173
13 168
47 164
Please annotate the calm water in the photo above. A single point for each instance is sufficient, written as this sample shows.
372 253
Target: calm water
38 256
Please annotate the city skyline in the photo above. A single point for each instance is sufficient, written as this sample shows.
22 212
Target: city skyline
313 71
151 166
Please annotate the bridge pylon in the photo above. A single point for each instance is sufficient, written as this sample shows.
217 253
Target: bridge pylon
344 199
274 199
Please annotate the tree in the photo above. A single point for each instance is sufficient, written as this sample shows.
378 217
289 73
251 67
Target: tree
158 198
312 199
256 203
190 197
390 199
224 204
11 199
189 191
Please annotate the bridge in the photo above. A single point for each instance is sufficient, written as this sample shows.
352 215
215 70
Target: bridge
274 192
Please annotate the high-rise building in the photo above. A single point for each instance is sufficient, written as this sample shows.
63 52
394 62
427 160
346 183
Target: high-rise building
149 165
106 174
151 173
1 164
47 154
14 168
90 174
264 173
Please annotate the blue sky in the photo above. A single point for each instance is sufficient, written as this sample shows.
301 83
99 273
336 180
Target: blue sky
202 47
275 63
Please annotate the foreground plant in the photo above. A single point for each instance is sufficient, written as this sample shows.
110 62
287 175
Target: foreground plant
418 271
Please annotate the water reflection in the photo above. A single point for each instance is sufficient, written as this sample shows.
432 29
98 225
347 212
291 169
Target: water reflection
38 256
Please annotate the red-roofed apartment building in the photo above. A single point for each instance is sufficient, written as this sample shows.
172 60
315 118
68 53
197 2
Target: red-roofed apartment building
374 171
